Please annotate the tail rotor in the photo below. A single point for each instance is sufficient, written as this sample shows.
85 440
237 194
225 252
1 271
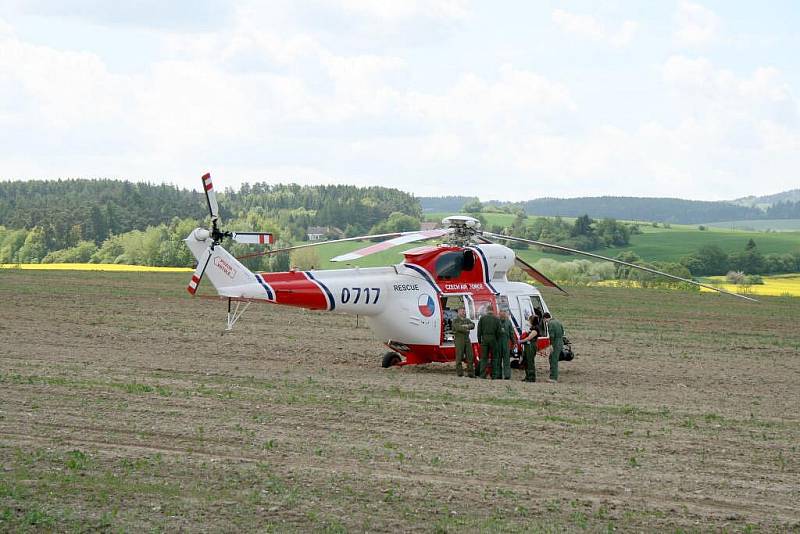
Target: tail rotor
216 235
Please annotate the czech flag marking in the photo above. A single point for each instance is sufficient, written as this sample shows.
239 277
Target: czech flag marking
426 305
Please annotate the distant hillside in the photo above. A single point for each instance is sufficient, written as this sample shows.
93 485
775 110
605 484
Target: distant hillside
451 204
669 210
792 195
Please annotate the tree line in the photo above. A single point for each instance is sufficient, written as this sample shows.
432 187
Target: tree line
121 221
583 234
711 260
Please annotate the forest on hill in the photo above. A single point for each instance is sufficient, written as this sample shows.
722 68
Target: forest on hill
109 221
126 222
669 210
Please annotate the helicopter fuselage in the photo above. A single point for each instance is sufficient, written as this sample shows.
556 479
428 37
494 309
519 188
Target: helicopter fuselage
409 305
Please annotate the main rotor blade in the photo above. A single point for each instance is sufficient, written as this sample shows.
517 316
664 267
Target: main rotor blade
211 198
253 238
620 262
537 275
318 243
198 273
410 237
530 270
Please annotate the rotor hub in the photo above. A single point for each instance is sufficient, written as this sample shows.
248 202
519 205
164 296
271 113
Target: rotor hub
464 228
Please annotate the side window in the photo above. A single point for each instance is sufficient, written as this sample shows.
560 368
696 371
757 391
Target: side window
502 304
481 306
526 307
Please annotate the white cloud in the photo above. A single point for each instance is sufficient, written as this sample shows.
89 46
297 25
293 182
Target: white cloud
697 25
589 27
515 98
408 9
267 97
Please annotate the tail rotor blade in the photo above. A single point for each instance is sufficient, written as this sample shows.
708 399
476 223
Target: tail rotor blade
254 238
211 197
198 273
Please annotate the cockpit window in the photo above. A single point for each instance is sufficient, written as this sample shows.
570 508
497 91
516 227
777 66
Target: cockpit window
451 264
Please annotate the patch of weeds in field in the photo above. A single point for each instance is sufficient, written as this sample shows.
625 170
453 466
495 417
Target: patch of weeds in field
580 519
13 491
633 462
390 495
136 388
711 418
781 460
76 460
565 420
486 435
268 445
130 465
689 423
200 433
37 517
363 454
553 506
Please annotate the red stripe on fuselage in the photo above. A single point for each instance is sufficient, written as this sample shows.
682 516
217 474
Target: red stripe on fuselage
292 288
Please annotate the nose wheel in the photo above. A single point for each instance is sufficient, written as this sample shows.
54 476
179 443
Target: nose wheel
390 359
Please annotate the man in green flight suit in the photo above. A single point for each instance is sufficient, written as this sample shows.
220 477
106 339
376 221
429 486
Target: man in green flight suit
503 339
488 329
556 330
461 327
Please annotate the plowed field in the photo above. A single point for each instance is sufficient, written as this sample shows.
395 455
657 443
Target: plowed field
123 408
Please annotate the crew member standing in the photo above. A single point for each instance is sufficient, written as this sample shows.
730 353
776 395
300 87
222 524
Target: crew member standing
529 348
556 330
461 327
503 339
488 327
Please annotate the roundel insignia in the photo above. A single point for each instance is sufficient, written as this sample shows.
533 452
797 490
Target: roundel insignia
426 305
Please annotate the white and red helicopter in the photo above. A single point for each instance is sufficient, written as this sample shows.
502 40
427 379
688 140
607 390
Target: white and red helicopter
408 305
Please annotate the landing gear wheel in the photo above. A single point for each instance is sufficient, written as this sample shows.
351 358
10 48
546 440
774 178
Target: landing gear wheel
390 359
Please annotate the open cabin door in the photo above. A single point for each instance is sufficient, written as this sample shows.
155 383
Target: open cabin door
530 305
450 305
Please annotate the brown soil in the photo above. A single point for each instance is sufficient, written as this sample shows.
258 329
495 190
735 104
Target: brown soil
122 407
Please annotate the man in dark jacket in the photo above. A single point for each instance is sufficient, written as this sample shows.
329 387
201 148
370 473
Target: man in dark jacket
488 331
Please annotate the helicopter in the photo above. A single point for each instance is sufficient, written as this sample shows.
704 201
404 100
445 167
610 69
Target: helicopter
409 305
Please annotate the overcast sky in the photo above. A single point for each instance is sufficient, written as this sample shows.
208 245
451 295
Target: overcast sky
504 100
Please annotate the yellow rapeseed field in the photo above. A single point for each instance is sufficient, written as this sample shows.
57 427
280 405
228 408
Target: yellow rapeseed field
785 285
93 267
776 286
